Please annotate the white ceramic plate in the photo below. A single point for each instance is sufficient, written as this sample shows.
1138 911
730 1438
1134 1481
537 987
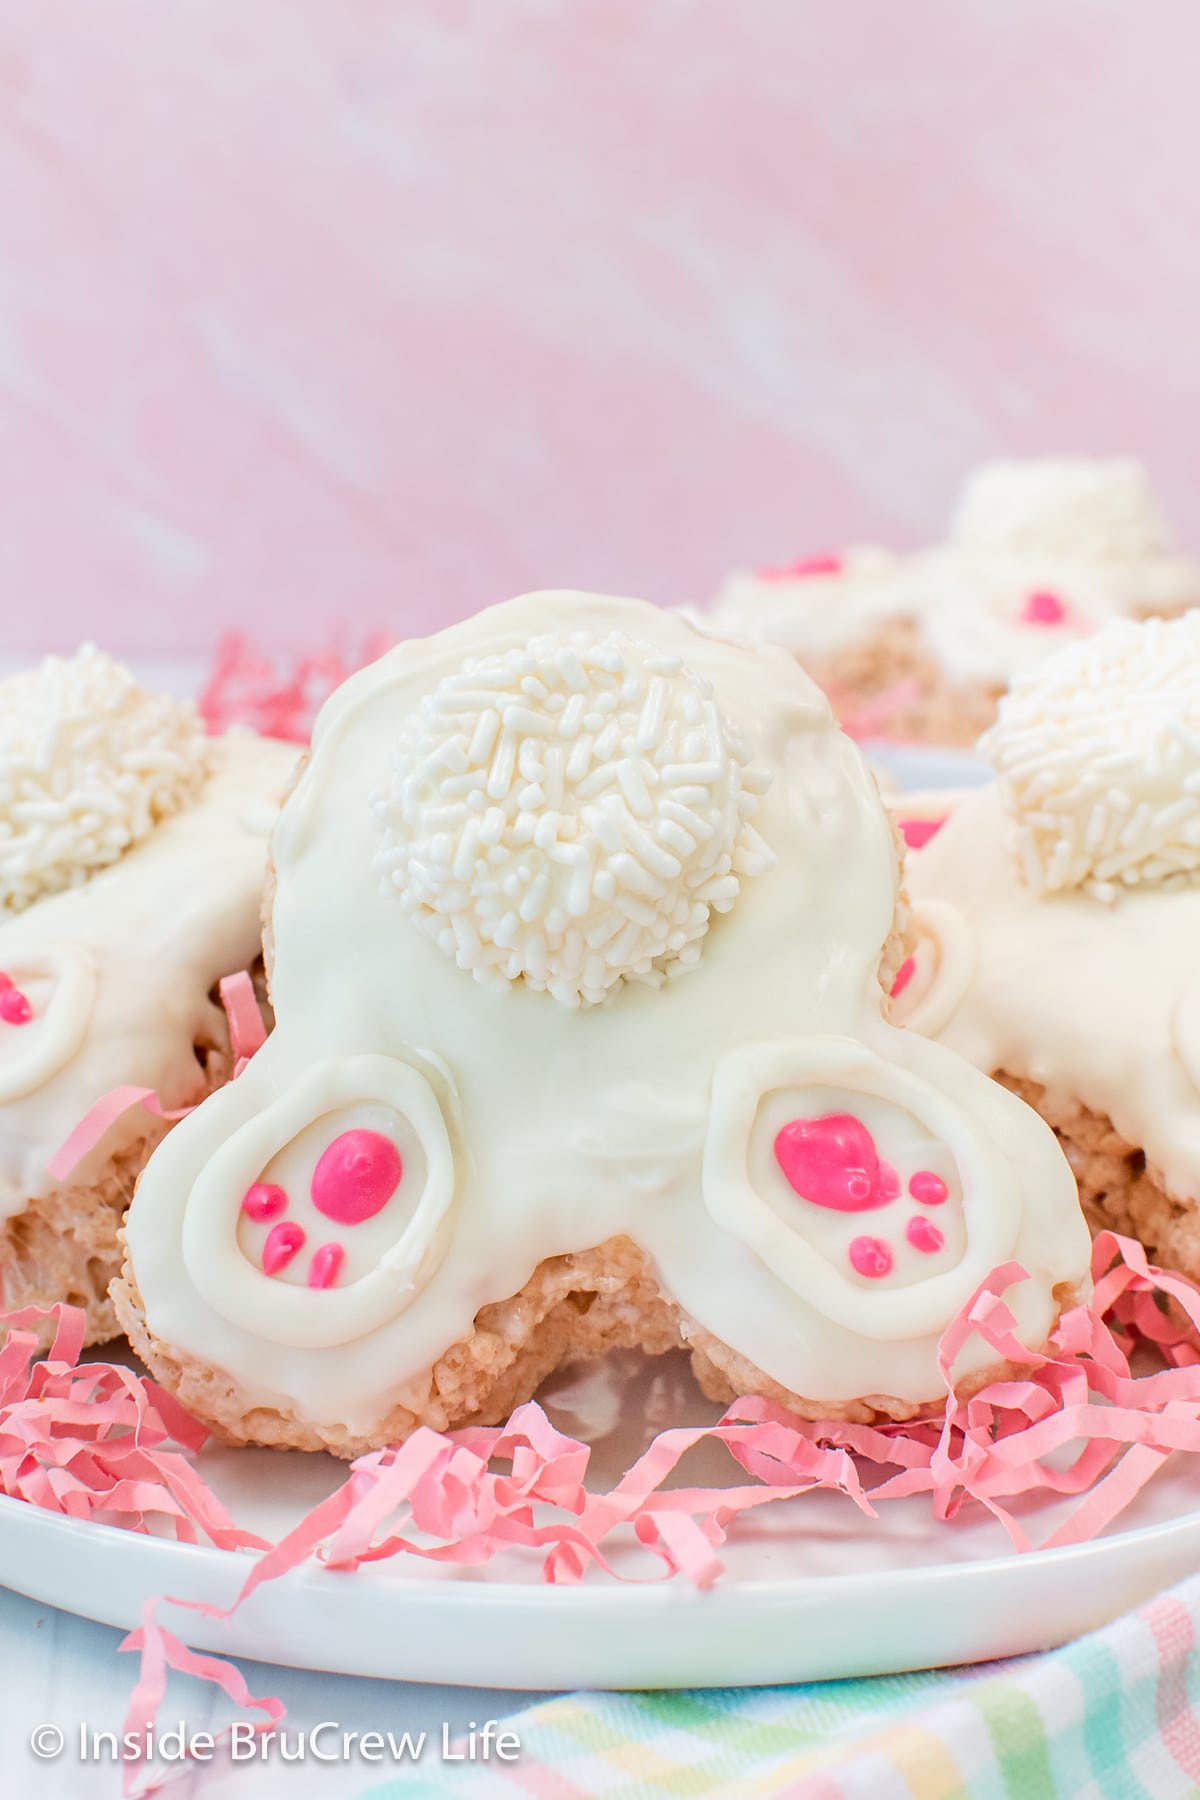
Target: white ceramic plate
812 1590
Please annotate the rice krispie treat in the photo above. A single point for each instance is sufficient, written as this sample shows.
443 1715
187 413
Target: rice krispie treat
132 852
582 925
1039 554
1057 913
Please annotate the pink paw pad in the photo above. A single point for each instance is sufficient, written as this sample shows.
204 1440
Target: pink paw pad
356 1177
928 1188
284 1243
833 1162
870 1256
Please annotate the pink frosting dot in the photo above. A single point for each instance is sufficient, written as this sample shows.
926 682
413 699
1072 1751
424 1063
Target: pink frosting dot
14 1007
924 1235
928 1188
917 832
1043 608
283 1243
870 1256
904 975
356 1177
325 1266
264 1201
828 564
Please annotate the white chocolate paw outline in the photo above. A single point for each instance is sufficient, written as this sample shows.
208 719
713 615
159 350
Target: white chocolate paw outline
932 982
33 1051
809 1242
1185 1029
304 1316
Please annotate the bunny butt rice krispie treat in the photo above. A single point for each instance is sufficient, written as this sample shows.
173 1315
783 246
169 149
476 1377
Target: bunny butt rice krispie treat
1039 554
1058 919
582 924
132 852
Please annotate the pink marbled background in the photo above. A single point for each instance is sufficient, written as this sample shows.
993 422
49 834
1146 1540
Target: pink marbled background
371 311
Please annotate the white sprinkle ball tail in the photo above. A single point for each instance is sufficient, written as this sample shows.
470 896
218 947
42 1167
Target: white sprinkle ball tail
570 813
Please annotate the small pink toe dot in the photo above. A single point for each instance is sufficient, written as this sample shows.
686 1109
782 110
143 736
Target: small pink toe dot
14 1007
326 1265
283 1243
264 1201
870 1256
924 1235
928 1188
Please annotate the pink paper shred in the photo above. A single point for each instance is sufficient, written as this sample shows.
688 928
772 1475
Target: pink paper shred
874 718
1074 1423
247 687
247 1033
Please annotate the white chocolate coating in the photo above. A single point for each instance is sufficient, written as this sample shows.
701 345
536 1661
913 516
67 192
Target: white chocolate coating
119 969
1087 534
545 1129
1096 1000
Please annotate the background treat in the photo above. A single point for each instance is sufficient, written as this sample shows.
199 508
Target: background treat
1058 921
582 923
1039 553
132 850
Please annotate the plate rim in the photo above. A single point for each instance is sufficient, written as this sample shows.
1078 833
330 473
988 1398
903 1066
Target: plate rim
606 1590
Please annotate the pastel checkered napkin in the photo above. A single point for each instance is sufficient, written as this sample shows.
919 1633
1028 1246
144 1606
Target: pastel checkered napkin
1115 1716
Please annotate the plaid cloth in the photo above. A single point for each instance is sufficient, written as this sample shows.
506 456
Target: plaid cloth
1114 1716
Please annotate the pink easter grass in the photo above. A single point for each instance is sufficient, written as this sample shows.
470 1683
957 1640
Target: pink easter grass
246 686
98 1442
247 1034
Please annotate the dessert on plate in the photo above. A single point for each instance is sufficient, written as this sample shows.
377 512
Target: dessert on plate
922 645
579 932
132 853
1057 914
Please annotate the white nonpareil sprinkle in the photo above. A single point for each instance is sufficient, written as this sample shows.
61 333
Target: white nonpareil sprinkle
570 813
1098 754
89 764
1089 511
